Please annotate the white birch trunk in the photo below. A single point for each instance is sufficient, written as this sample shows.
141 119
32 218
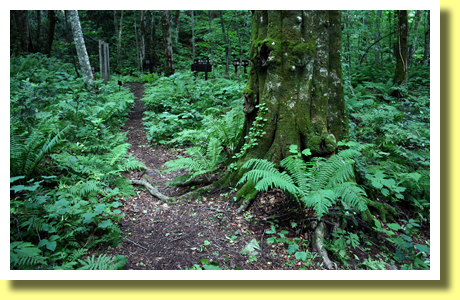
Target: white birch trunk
80 45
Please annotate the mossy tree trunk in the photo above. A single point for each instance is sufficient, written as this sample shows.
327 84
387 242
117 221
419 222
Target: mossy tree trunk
296 74
294 95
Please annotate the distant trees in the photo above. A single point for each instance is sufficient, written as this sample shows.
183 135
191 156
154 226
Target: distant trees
370 38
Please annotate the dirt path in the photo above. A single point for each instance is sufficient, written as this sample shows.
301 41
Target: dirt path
165 236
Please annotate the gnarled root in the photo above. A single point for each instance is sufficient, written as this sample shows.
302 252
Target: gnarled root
152 190
248 193
318 244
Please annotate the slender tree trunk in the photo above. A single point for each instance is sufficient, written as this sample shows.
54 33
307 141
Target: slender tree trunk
118 30
193 35
240 44
50 36
169 60
211 42
377 52
80 46
401 72
38 33
227 49
426 55
176 24
139 61
413 44
142 40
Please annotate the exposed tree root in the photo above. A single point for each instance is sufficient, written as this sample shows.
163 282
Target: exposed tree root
318 244
248 193
152 190
385 211
198 191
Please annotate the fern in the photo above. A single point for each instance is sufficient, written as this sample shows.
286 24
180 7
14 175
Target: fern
317 184
25 255
203 161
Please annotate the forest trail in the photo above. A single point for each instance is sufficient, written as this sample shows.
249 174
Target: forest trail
175 236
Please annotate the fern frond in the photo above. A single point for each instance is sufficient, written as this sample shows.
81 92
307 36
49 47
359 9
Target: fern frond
213 152
182 163
103 262
330 169
266 176
320 201
118 152
352 194
297 168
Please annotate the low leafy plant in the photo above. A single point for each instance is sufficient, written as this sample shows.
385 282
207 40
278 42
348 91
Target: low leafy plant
408 253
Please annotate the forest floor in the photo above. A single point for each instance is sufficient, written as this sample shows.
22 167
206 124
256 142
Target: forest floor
177 235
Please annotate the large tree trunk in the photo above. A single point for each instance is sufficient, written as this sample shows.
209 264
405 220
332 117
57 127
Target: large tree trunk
50 36
80 46
401 71
294 95
296 75
169 61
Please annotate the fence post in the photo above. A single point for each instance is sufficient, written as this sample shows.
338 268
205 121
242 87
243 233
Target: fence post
104 65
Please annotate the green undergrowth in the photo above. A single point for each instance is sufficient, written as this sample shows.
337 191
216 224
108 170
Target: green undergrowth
182 102
66 157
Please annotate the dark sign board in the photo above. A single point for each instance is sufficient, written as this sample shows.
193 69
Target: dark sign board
149 63
244 63
202 65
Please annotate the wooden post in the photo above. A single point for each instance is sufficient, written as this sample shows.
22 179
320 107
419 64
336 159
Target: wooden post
104 65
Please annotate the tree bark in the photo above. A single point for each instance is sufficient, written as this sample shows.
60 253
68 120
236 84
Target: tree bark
193 35
426 56
38 32
177 24
50 36
413 44
227 49
169 60
118 30
401 72
294 94
80 46
211 42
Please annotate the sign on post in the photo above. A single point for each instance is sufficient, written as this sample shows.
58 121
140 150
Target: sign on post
202 65
149 63
104 66
244 63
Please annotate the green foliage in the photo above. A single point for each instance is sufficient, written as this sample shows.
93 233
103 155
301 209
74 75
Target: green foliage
66 162
317 184
206 265
203 161
409 254
340 243
181 102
